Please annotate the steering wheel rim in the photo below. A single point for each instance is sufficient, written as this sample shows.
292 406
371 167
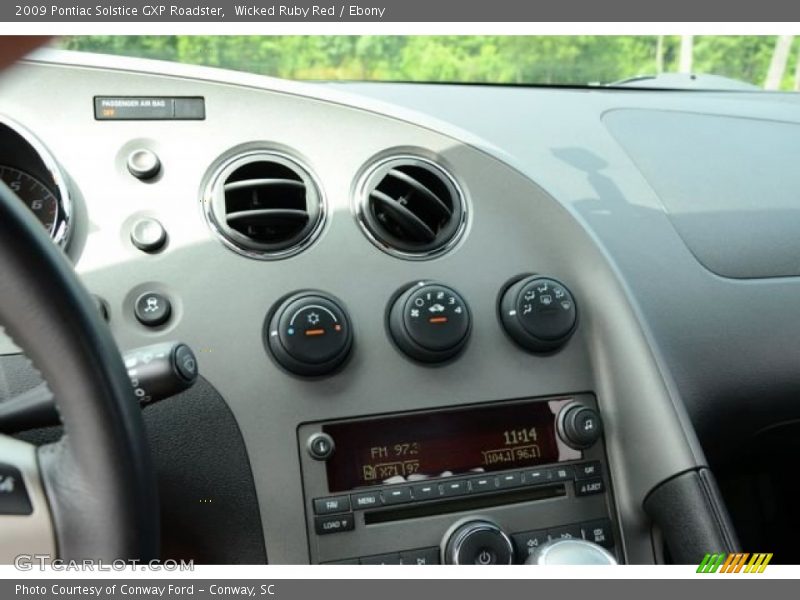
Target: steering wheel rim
98 479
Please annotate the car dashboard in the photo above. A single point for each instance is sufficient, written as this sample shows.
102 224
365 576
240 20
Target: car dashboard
420 313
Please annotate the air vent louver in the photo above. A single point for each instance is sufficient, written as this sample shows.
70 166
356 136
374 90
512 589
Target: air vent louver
411 208
265 205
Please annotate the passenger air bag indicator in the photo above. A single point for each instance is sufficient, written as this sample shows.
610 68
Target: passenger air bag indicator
149 108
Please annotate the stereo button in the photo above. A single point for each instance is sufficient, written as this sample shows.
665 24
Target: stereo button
424 556
587 470
509 480
455 488
537 476
426 491
599 532
560 473
334 524
567 532
366 500
334 504
526 543
587 487
397 495
483 484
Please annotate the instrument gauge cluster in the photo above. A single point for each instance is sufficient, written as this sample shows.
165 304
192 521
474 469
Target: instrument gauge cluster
33 174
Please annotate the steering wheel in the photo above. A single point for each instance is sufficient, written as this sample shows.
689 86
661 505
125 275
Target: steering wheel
91 495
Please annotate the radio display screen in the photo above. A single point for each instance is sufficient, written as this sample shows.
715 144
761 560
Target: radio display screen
441 443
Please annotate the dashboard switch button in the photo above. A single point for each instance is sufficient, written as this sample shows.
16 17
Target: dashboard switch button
148 235
13 495
152 309
143 164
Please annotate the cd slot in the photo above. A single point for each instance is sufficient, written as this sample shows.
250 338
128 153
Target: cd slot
464 503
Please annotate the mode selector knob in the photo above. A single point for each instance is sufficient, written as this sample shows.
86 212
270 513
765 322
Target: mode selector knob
309 333
429 322
538 313
478 542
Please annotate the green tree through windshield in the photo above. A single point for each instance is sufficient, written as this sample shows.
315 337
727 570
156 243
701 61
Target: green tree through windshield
765 61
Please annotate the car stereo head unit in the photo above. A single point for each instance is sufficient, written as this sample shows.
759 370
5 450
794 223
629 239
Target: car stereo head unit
409 448
400 488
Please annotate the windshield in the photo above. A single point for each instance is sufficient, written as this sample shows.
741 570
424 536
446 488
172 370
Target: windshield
707 62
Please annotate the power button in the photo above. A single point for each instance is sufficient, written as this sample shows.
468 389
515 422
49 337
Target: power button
486 557
478 542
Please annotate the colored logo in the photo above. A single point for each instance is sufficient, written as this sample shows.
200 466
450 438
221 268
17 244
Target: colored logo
734 563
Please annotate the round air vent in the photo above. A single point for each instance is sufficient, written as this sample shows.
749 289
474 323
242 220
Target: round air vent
411 207
264 205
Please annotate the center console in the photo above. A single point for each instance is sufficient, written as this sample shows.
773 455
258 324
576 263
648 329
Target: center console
485 484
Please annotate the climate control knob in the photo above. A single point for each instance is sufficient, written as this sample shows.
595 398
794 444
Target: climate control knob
538 313
430 322
309 333
478 542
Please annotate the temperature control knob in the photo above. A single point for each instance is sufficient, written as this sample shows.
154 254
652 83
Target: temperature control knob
310 334
430 322
538 313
